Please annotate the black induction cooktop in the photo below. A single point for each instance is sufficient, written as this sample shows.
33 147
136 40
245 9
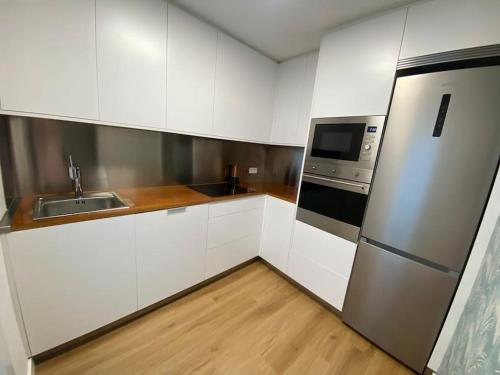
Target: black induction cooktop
220 189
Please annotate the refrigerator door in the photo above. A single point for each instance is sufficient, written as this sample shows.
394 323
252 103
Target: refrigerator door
437 162
397 303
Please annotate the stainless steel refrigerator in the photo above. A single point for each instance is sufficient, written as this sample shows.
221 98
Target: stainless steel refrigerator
437 163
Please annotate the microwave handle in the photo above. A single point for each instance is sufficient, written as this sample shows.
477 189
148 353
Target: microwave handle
363 187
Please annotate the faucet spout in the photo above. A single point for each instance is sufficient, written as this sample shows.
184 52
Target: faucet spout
76 178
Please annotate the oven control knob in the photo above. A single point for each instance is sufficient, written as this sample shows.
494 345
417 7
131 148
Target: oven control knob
367 147
334 170
356 174
313 167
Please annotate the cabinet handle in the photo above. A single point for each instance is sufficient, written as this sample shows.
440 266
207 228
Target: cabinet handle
173 211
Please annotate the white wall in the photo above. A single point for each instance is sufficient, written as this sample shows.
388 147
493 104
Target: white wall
5 362
9 328
469 276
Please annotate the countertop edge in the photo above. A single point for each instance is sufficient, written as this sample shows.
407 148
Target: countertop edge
22 208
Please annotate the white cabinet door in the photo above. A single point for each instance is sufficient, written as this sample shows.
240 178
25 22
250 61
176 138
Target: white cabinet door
171 251
73 278
48 62
356 67
234 233
279 217
131 61
302 132
447 25
260 90
293 97
321 262
244 91
191 54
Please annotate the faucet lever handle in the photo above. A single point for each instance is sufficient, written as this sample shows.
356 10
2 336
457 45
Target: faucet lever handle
72 169
73 174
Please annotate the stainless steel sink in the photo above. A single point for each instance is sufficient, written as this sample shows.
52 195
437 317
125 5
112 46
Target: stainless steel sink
64 206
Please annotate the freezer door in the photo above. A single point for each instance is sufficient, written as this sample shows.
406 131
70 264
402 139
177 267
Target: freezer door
397 303
436 165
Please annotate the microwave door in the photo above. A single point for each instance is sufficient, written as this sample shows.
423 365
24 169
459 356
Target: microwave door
337 141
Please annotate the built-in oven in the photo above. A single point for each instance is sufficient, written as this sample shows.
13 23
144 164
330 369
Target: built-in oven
338 170
344 147
335 206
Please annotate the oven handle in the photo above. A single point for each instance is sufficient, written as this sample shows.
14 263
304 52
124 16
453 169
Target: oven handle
330 181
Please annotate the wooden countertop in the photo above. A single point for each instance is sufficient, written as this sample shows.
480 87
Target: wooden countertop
144 200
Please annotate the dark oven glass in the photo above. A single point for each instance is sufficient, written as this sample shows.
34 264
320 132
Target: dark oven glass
339 204
338 141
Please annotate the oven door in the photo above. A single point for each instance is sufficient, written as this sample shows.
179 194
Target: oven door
335 206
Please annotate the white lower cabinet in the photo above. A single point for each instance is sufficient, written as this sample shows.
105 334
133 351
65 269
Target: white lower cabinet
72 279
279 216
171 251
234 232
321 262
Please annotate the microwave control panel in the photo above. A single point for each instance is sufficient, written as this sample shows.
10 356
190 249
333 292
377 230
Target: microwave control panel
369 146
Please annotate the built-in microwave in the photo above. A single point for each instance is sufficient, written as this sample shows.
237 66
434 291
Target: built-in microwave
344 147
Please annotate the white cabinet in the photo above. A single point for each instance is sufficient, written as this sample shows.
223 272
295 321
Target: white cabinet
244 92
191 54
447 25
321 262
234 232
356 67
73 278
279 217
293 98
48 62
171 248
131 61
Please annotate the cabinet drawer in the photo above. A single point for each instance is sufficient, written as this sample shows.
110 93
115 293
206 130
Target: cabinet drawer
333 253
237 205
224 257
224 229
328 285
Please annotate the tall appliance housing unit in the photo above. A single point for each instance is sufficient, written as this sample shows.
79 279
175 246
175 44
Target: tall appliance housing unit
437 162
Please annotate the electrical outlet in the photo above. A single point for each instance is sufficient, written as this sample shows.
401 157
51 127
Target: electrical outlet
252 170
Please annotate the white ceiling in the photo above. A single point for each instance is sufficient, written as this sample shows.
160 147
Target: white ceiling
283 28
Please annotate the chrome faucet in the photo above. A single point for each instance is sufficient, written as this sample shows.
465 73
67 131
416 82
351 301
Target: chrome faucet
76 178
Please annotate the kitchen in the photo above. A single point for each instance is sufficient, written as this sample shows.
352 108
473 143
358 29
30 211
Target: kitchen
249 187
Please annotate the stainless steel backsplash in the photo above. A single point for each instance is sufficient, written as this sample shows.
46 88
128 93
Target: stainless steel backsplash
34 153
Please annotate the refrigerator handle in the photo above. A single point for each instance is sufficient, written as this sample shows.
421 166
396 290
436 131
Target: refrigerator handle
443 110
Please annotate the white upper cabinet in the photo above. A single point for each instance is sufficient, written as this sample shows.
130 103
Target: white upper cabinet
356 67
191 54
447 25
244 92
48 62
293 97
131 61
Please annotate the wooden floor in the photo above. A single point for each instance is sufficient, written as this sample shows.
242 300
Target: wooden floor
251 322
